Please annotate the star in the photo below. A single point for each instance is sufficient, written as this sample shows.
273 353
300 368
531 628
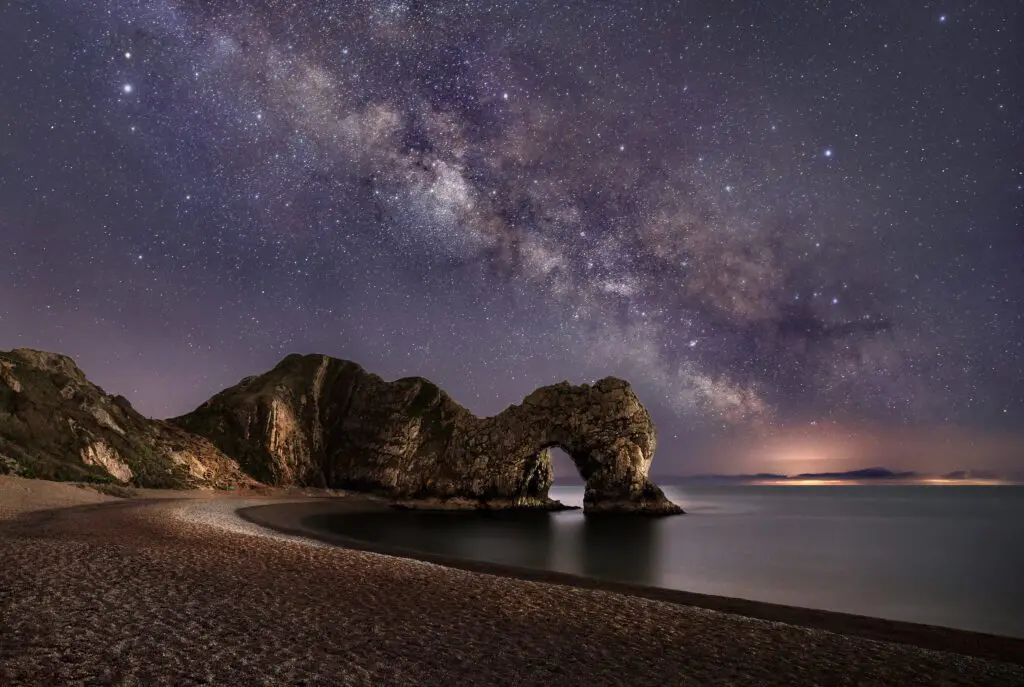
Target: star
612 220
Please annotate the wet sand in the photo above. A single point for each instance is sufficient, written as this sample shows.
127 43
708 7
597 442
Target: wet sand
182 591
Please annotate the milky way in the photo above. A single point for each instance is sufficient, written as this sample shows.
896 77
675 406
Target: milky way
762 217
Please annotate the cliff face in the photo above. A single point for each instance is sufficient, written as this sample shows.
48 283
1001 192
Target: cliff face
320 421
55 424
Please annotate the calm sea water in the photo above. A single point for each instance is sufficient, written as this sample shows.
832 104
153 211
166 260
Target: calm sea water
951 556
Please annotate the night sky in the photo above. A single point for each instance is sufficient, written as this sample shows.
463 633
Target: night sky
789 225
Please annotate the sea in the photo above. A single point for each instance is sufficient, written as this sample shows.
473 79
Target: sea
942 555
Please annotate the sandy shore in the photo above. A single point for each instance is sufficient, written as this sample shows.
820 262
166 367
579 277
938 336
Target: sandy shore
182 591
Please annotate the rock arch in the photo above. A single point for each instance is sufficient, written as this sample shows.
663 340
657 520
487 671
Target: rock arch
603 428
322 421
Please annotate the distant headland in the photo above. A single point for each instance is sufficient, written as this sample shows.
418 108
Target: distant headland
872 475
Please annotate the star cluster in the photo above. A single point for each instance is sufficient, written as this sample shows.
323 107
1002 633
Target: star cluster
762 216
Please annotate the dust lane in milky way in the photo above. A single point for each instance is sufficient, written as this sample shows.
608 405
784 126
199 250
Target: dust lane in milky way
762 217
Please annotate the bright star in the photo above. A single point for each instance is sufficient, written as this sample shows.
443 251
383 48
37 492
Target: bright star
127 56
127 88
828 152
942 17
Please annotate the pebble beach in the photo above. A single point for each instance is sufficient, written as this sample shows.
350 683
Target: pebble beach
176 588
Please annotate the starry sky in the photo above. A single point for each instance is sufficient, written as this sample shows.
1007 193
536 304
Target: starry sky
795 225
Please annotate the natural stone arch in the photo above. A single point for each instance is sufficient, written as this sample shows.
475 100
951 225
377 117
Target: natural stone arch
327 422
601 493
603 428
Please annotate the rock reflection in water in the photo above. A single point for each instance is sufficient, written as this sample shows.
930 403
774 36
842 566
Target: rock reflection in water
605 546
620 548
523 539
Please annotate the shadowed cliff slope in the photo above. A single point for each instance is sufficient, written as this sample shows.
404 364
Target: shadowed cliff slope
55 424
319 421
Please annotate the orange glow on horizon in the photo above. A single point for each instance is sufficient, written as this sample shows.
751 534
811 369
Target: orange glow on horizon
940 481
835 448
924 481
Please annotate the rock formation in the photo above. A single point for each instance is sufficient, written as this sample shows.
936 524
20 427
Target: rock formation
320 421
55 424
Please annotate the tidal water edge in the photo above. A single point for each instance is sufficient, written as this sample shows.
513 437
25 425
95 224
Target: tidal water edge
949 556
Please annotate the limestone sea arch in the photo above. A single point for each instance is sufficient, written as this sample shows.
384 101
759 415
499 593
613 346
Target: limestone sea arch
321 421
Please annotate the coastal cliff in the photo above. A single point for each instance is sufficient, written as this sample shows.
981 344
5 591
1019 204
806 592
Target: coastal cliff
325 422
55 424
321 421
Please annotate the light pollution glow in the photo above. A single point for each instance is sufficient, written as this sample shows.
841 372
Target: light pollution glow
924 481
833 448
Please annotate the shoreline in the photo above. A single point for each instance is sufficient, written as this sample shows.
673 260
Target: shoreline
177 588
288 518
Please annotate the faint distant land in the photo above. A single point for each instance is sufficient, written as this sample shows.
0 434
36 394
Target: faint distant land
862 474
319 421
980 474
873 475
717 478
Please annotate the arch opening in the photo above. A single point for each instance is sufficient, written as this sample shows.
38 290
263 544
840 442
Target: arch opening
563 470
549 464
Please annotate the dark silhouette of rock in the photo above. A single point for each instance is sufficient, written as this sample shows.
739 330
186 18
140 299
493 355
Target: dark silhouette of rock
319 421
862 474
55 424
975 474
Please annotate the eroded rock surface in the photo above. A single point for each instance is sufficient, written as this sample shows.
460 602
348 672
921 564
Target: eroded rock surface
320 421
55 424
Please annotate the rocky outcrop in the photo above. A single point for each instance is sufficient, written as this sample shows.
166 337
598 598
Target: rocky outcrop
55 424
320 421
